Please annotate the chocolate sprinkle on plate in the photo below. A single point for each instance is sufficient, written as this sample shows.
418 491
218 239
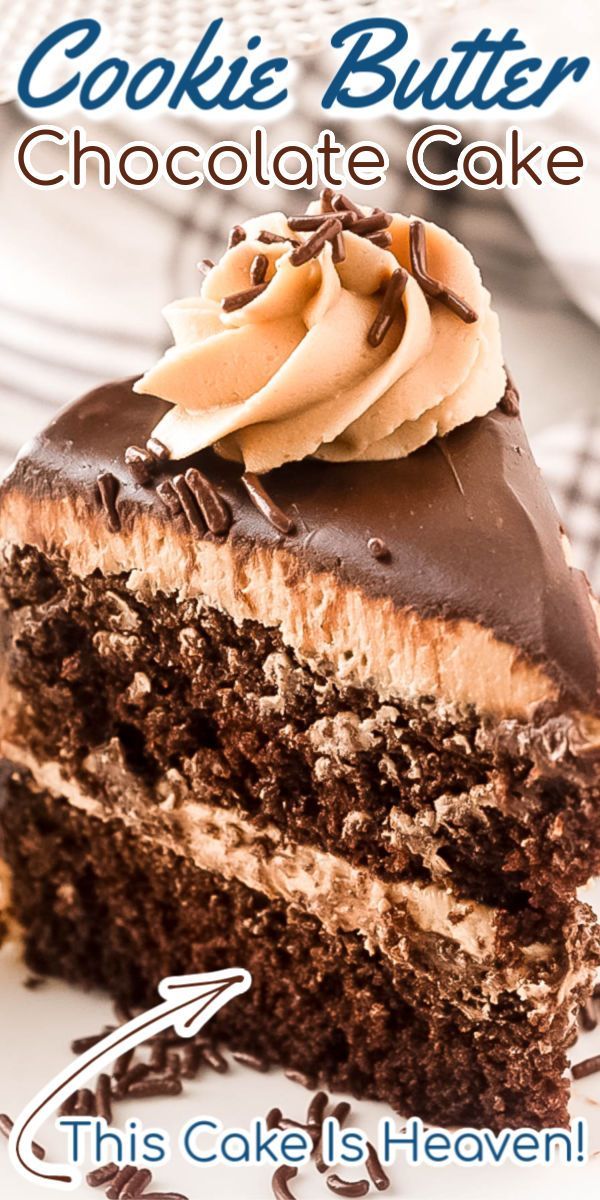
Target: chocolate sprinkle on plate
251 1060
589 1066
215 1059
164 1196
108 487
102 1175
273 1118
137 1184
432 287
588 1017
344 1187
6 1125
265 505
103 1104
118 1183
280 1180
155 1085
376 1172
316 1109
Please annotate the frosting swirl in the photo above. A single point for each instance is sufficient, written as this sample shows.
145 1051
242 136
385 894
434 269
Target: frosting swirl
292 373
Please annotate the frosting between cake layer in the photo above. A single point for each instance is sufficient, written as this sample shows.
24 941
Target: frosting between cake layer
292 371
329 627
387 916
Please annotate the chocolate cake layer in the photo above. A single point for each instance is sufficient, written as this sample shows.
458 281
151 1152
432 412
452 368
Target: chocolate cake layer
103 903
471 531
210 711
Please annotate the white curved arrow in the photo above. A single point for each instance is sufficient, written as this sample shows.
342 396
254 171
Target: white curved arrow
189 1002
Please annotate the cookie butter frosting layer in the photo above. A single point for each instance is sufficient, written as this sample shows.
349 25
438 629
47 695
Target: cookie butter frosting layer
293 373
476 603
342 897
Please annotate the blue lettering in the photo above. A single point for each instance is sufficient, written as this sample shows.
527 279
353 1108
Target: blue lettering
91 31
371 64
118 68
133 99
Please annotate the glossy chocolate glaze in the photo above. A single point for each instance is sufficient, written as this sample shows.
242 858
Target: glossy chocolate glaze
469 526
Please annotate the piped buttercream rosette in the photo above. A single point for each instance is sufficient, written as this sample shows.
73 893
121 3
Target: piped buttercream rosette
289 370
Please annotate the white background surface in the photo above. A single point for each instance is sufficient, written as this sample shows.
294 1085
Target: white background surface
36 1028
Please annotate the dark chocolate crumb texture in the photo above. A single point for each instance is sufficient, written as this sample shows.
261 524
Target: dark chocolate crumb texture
302 680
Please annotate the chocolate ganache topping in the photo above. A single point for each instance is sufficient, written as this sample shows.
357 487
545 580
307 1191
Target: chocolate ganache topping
344 335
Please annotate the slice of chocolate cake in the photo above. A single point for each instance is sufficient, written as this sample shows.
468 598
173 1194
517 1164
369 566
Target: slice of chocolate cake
339 725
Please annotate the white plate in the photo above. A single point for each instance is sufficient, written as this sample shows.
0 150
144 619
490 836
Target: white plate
37 1026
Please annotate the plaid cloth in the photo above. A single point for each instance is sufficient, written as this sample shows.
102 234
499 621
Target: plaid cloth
83 279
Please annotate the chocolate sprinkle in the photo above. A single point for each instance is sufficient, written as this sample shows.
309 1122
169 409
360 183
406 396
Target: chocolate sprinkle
341 203
141 463
67 1107
155 1085
237 235
215 1059
271 239
205 266
85 1104
378 548
188 504
389 308
343 1187
164 1196
102 1175
265 505
103 1104
108 487
589 1066
191 1056
167 494
80 1045
383 239
375 1169
375 223
510 402
432 287
157 449
311 248
158 1055
588 1017
273 1118
280 1180
137 1184
138 1071
6 1125
215 511
240 299
299 1077
326 199
251 1060
338 248
118 1183
316 1109
258 269
122 1064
